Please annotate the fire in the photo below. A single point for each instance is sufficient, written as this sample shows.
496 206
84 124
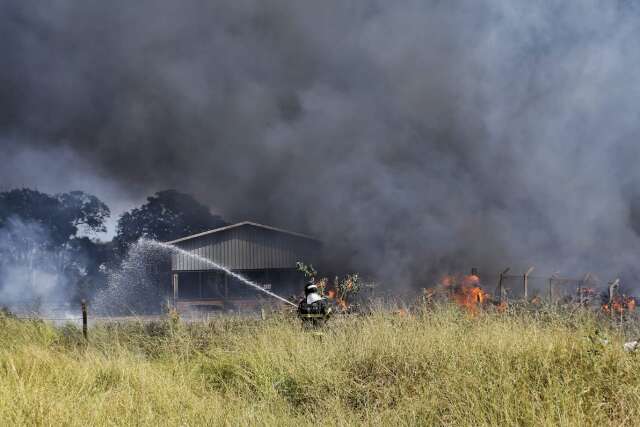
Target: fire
502 307
332 295
401 312
620 305
466 291
586 295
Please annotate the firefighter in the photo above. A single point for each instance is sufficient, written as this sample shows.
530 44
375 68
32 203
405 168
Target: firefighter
313 309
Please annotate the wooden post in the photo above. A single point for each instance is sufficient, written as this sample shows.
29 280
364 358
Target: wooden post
613 287
580 292
525 283
581 287
551 279
84 320
175 291
500 285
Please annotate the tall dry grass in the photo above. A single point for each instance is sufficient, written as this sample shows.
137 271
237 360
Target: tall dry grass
438 367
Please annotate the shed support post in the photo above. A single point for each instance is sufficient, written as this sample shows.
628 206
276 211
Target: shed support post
175 290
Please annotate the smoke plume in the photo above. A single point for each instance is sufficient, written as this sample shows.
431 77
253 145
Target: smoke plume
32 271
411 136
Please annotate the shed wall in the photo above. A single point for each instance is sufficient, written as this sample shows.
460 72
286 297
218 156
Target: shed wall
245 248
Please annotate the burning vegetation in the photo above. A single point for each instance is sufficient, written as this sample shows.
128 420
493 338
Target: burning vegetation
342 292
620 305
468 292
464 290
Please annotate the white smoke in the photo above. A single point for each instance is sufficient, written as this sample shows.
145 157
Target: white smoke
32 273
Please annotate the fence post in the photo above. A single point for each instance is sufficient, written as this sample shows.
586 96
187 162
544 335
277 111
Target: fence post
84 320
580 293
613 287
525 283
581 288
551 279
500 287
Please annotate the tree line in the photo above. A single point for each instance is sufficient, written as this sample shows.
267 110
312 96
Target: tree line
57 236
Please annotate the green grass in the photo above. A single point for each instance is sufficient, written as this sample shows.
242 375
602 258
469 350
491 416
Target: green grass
435 368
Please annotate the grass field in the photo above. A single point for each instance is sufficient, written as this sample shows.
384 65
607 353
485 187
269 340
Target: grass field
437 367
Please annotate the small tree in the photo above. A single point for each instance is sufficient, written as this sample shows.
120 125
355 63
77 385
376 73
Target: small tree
344 289
347 288
309 272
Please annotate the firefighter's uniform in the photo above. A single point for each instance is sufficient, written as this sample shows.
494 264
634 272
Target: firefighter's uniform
314 309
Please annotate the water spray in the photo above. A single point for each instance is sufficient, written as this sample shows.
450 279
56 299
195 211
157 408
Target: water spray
215 265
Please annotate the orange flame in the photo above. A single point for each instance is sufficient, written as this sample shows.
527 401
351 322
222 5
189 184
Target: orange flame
502 307
332 294
466 292
620 305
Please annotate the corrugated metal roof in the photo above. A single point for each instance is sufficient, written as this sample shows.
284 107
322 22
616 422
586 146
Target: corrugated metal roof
240 224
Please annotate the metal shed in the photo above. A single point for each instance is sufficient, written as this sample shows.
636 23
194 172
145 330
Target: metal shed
263 254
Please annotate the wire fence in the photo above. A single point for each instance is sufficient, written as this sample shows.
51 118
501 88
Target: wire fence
502 287
550 289
35 310
80 314
38 310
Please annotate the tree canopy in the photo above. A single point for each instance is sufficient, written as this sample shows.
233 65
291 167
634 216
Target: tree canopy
39 234
166 215
61 216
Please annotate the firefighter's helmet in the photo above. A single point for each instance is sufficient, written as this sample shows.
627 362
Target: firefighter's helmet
310 288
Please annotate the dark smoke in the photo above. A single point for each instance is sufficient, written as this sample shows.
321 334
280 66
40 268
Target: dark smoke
411 136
